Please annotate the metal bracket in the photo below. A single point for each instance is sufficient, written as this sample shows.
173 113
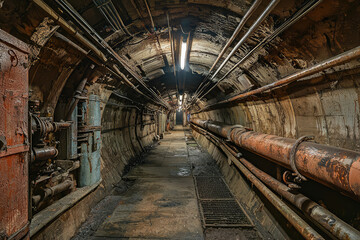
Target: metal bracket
298 177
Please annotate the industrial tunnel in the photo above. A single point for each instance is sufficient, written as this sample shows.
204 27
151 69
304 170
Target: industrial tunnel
181 119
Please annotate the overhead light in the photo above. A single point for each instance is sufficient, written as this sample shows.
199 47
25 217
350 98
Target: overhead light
183 55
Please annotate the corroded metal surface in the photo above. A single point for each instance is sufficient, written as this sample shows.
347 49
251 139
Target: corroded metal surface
335 167
14 143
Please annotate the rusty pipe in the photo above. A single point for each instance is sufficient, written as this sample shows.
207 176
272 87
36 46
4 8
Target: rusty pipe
334 167
251 30
71 43
66 6
150 15
240 26
304 10
52 191
329 63
62 22
299 224
328 220
39 154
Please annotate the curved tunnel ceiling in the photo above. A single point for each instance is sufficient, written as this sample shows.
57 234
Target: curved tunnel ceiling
211 24
144 42
138 31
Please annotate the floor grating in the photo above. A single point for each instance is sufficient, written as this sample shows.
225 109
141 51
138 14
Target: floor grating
212 188
218 206
223 213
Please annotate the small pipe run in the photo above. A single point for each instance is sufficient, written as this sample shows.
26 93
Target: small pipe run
251 30
52 191
171 44
84 25
88 44
150 16
337 168
70 29
246 17
329 63
304 10
109 11
322 216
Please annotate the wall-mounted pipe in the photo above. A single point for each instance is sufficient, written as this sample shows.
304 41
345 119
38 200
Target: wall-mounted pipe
76 16
70 29
171 47
84 41
329 63
337 168
299 224
321 216
251 30
52 191
71 43
298 15
240 26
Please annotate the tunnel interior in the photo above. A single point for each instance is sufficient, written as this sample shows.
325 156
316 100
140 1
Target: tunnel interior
179 119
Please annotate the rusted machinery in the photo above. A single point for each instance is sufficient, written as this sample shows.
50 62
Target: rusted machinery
334 167
48 177
14 138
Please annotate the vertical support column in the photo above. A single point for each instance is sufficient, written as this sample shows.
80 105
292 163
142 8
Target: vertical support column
14 138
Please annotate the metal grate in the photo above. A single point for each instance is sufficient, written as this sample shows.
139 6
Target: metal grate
212 188
223 213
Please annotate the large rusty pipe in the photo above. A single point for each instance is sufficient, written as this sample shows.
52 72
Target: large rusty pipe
299 224
326 219
334 167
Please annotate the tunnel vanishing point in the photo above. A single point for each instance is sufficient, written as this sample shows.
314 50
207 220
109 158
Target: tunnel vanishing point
179 119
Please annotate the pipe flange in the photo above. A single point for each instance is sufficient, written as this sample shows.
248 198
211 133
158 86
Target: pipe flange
298 176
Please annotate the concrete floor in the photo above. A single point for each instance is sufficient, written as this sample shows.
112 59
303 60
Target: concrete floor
161 202
157 199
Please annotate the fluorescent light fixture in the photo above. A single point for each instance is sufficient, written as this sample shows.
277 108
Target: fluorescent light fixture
183 55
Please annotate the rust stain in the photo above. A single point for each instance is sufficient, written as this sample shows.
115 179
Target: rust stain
14 156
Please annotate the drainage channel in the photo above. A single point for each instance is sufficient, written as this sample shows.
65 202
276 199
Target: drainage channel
221 214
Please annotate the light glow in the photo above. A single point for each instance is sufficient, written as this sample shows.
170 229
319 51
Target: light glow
183 55
181 96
